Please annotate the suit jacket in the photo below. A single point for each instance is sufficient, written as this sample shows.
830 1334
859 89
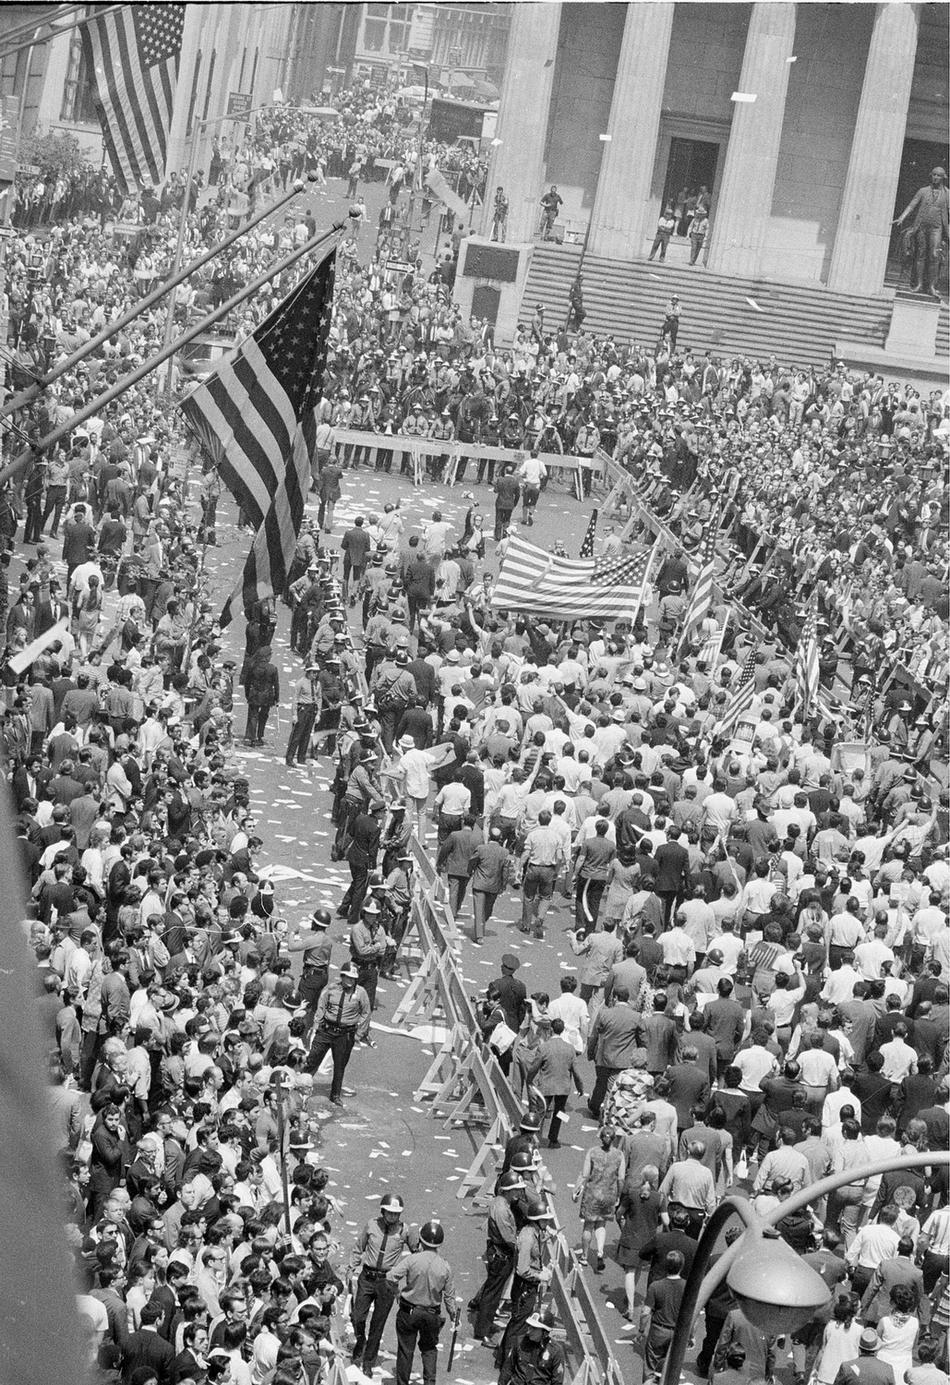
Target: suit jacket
672 867
689 1088
877 1297
146 1348
659 1038
615 1036
554 1069
725 1022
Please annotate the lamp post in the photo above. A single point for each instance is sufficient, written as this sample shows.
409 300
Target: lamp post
776 1290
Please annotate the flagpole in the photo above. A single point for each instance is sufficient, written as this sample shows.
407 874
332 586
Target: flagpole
7 50
18 401
96 405
643 585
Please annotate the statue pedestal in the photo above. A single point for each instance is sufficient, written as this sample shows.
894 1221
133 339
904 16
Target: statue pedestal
909 352
913 329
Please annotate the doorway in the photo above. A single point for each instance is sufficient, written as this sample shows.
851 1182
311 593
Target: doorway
690 175
486 301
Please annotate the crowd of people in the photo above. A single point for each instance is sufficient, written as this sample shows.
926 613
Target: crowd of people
760 928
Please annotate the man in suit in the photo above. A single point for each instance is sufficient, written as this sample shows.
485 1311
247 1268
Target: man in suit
615 1036
146 1348
725 1023
672 871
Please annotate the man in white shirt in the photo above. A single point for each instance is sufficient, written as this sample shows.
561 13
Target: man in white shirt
870 957
900 1060
839 985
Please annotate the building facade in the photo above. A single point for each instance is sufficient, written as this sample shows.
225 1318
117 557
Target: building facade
451 40
809 126
225 49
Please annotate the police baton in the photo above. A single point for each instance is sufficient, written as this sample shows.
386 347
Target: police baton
455 1334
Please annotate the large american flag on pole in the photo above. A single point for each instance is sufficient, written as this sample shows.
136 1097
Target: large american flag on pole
806 665
256 418
608 588
700 601
133 55
741 699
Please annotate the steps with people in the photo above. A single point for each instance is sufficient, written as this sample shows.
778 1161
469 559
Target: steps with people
796 323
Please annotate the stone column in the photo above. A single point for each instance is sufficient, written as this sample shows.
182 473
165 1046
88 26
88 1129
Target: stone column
626 169
743 204
517 162
867 204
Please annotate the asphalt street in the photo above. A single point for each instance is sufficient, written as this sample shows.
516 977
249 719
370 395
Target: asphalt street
384 1141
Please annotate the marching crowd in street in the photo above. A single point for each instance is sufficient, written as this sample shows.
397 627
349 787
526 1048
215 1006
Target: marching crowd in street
762 983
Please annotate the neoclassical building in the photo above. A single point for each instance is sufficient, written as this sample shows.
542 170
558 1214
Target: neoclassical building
809 125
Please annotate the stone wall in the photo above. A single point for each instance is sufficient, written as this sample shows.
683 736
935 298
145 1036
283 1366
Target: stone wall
824 89
588 49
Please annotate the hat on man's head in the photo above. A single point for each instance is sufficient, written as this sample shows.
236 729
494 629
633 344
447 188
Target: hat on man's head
509 962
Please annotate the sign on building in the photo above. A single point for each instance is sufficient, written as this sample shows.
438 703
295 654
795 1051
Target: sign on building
239 103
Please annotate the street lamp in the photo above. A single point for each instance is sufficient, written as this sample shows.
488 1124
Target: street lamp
776 1290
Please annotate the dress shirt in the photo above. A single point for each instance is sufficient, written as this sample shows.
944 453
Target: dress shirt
381 1247
690 1183
425 1280
544 846
349 1009
454 800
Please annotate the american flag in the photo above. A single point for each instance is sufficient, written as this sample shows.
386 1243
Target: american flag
741 700
570 588
700 601
256 419
587 547
806 666
133 54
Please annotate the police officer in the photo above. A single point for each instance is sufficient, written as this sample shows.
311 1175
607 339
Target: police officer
342 1016
503 1225
317 950
526 1139
379 1248
532 1273
537 1359
424 1280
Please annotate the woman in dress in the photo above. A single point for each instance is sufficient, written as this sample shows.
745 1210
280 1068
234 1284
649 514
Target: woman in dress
639 1218
898 1331
599 1193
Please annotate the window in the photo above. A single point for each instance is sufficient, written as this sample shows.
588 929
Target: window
374 35
79 104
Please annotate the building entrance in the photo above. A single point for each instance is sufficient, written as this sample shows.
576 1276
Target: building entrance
690 174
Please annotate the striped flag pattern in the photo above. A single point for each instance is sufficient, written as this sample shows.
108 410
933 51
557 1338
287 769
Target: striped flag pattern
806 666
700 601
587 547
570 588
256 418
133 54
741 700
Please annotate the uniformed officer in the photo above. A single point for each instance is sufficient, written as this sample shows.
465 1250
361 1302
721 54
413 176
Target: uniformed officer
537 1359
532 1273
503 1226
342 1016
306 709
425 1285
379 1247
526 1138
317 950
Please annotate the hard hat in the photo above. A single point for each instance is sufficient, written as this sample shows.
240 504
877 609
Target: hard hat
322 918
391 1202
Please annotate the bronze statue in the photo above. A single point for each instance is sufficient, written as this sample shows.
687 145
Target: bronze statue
925 237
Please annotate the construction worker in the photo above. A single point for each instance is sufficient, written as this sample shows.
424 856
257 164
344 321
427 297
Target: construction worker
503 1226
532 1274
379 1247
424 1281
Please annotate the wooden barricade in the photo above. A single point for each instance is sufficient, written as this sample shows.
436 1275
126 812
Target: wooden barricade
420 448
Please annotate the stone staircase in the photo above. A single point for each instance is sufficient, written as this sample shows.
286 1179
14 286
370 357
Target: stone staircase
797 323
